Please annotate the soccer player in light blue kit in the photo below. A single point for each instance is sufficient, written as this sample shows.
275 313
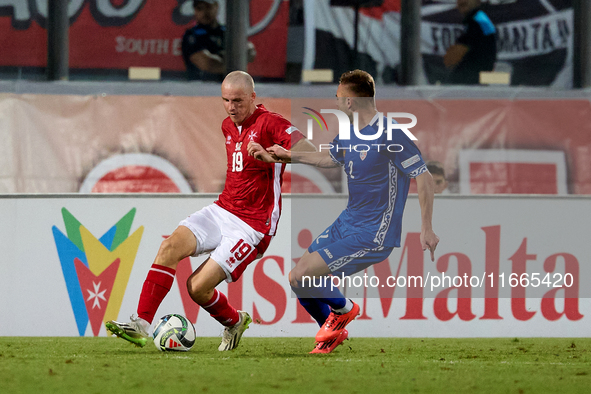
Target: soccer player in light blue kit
365 233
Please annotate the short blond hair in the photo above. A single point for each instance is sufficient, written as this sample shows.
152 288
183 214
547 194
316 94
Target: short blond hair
359 82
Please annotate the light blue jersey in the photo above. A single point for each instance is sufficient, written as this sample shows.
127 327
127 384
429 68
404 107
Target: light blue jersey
365 233
378 174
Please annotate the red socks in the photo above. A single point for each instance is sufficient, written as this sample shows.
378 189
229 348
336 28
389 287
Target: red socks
219 308
158 284
156 287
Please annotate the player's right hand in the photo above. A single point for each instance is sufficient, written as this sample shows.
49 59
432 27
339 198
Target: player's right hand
429 240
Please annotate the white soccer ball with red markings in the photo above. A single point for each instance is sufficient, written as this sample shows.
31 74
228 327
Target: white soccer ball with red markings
174 333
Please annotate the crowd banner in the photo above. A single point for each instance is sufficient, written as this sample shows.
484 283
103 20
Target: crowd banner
158 143
534 39
506 266
135 33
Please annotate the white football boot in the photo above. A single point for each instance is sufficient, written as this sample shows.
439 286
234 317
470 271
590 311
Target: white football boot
231 336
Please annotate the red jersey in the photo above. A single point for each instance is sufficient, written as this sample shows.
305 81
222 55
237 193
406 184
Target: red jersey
253 188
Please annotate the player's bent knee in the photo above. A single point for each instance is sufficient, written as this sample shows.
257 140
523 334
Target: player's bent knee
293 282
198 291
192 288
296 274
175 248
168 253
202 283
303 268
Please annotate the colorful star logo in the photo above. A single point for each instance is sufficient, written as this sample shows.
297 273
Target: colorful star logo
96 271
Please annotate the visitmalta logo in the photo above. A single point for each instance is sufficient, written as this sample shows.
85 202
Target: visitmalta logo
96 271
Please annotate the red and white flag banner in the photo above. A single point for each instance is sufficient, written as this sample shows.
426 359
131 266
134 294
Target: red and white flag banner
534 44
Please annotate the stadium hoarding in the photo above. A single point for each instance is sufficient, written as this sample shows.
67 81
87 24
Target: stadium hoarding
69 262
52 143
135 33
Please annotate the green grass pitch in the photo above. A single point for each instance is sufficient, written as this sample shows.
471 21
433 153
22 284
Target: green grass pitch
283 365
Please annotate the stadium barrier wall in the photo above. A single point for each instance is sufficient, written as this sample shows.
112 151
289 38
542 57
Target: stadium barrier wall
54 143
69 262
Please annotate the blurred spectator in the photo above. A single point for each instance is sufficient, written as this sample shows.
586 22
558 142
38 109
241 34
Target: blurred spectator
438 173
476 49
203 44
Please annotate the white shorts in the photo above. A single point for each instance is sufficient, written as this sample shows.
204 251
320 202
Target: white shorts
231 242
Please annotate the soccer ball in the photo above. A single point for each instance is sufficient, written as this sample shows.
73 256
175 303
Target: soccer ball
174 333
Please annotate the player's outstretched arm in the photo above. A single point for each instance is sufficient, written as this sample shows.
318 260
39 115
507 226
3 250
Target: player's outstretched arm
279 152
303 152
426 187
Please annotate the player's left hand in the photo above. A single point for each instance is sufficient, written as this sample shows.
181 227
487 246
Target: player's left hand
429 240
255 149
258 152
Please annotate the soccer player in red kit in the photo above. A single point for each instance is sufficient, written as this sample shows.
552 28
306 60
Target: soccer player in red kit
235 230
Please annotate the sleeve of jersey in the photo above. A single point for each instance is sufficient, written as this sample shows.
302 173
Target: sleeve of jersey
406 156
284 133
337 154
